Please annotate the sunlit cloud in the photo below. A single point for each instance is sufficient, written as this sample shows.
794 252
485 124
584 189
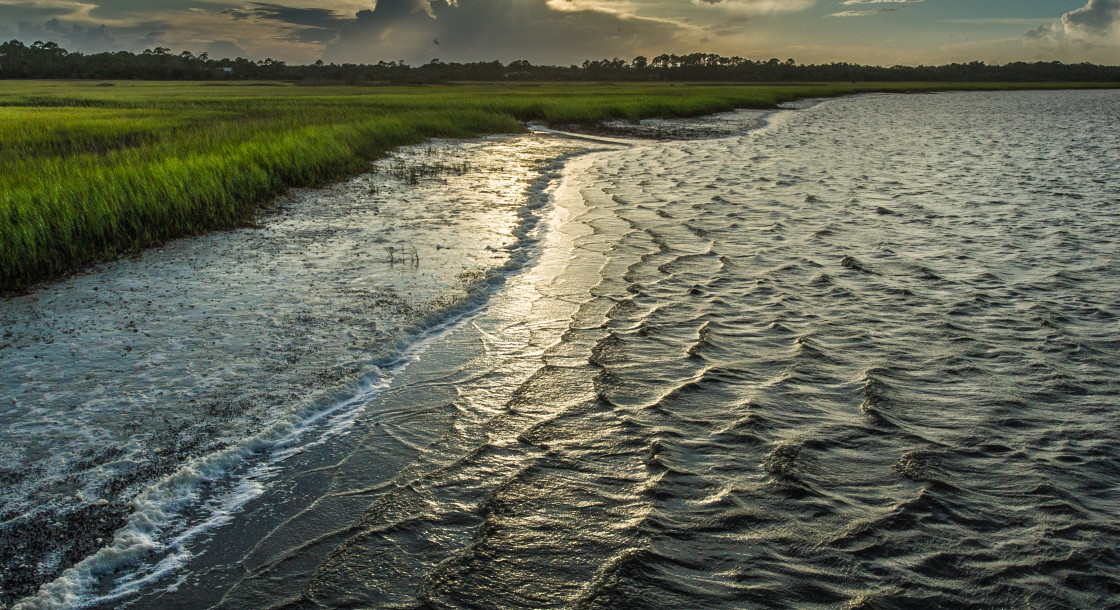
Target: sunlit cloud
863 13
756 7
1092 31
483 30
1097 18
874 11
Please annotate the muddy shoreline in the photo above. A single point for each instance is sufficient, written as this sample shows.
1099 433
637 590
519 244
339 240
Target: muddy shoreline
119 377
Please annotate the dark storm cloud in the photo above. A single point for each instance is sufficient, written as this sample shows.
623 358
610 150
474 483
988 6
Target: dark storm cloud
492 29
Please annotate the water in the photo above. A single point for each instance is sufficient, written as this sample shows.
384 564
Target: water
864 356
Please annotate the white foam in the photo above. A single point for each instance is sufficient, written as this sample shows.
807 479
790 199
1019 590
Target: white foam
581 136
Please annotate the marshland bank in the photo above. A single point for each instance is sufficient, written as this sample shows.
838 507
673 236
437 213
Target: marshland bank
93 172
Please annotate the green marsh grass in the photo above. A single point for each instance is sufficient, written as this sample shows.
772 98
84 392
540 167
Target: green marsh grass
88 172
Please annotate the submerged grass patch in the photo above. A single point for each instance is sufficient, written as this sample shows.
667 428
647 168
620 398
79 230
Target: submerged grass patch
90 172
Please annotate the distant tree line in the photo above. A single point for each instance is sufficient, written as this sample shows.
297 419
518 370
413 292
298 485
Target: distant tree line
44 60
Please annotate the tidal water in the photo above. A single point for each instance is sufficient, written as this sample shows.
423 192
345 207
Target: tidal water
863 354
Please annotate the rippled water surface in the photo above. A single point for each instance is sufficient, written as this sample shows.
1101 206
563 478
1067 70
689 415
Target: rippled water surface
866 355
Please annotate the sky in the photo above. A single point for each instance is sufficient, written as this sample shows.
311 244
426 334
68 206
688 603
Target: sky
563 32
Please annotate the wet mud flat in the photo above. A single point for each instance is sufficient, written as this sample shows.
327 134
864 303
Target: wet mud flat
129 393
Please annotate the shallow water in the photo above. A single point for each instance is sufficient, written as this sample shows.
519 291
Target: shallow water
864 356
131 393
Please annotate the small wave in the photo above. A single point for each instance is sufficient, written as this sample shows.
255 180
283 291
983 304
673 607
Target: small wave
928 274
853 263
877 396
806 347
607 588
748 429
782 460
922 466
703 340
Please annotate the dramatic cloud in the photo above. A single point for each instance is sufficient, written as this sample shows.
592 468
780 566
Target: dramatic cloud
418 31
1090 33
1098 18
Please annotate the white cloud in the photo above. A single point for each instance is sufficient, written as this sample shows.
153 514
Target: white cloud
863 13
1096 23
1097 18
869 12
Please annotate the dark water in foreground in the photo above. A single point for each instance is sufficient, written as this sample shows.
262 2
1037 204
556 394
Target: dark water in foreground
865 356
